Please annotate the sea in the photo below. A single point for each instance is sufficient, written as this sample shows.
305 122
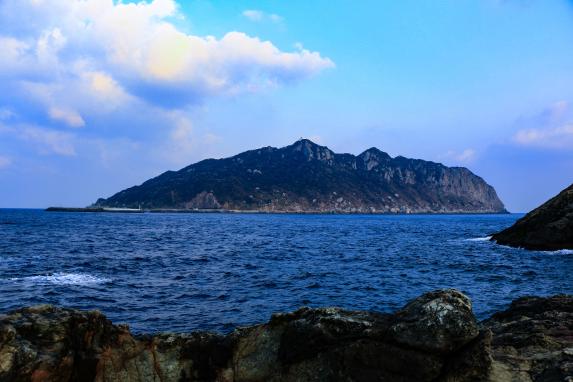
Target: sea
184 272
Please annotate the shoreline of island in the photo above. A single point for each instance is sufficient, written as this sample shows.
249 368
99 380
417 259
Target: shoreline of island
262 212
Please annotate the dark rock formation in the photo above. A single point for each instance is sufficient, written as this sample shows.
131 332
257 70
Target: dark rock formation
433 338
533 340
436 322
306 177
548 227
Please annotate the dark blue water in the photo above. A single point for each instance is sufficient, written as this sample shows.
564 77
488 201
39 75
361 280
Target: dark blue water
181 272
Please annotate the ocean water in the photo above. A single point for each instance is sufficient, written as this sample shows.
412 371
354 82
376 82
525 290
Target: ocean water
183 272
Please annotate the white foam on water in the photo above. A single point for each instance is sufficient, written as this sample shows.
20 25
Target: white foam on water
557 252
487 238
561 252
64 279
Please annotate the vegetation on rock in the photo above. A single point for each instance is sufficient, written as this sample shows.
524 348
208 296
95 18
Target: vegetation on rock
306 177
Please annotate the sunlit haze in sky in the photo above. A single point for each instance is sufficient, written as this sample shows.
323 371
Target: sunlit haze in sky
100 95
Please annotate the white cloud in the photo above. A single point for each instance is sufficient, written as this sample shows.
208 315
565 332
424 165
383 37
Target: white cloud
466 156
138 46
560 137
258 16
49 45
103 88
126 71
253 14
12 51
70 117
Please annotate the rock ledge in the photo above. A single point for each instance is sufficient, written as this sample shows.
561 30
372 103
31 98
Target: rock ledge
548 227
433 338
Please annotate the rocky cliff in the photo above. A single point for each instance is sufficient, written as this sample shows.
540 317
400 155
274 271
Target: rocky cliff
433 338
548 227
306 177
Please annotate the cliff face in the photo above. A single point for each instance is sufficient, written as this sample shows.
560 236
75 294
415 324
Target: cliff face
306 177
548 227
433 338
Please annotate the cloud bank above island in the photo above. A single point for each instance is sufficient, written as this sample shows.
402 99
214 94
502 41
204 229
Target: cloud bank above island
67 63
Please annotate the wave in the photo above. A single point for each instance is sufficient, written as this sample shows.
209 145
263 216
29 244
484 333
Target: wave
64 279
556 252
486 238
561 252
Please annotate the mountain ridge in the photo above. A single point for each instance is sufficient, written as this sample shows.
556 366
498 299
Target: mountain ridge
307 177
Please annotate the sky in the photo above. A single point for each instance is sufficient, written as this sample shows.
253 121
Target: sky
100 95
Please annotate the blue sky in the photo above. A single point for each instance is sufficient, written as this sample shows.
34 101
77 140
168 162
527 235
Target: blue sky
101 95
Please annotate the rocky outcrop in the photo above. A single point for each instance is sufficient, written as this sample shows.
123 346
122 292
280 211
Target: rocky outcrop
203 200
533 340
433 338
306 177
548 227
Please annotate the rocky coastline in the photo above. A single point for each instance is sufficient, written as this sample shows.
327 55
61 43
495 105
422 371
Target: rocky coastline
549 227
435 337
260 212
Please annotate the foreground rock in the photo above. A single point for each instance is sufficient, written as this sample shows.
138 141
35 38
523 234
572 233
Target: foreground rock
433 338
548 227
533 340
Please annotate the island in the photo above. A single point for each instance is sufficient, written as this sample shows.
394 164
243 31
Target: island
308 178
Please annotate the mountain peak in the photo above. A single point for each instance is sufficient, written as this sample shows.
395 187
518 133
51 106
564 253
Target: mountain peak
374 151
373 157
311 150
304 142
